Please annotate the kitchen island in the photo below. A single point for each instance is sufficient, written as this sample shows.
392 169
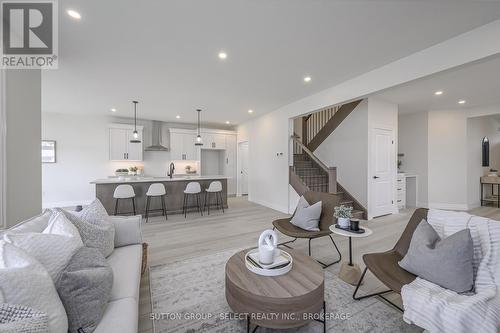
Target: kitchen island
174 186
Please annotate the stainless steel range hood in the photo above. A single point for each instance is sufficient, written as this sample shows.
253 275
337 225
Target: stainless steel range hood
156 141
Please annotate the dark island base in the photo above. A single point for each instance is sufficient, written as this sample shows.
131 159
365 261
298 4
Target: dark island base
174 198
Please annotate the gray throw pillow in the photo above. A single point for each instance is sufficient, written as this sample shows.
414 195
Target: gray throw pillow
307 217
22 319
445 262
84 288
99 236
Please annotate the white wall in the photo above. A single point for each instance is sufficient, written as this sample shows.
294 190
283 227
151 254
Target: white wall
347 149
268 134
83 156
23 145
447 137
413 137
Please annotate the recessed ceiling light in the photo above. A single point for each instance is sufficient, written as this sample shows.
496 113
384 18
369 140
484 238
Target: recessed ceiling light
461 102
227 122
74 14
439 92
178 117
222 55
113 110
307 79
250 111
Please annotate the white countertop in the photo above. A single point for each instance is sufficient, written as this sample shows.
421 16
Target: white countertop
141 179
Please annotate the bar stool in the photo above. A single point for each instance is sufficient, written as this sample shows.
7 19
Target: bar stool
215 188
124 191
156 190
192 189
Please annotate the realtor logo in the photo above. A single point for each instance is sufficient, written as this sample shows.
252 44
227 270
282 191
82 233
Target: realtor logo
29 34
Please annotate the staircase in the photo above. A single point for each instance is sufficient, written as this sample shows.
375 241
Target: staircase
308 173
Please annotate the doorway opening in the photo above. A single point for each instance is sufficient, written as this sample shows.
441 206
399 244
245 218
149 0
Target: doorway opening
243 168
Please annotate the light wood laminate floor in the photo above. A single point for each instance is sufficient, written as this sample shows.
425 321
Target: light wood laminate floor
178 239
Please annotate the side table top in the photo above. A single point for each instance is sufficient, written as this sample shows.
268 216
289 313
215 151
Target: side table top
305 276
341 232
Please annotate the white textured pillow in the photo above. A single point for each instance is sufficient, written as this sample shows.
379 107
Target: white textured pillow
23 280
53 251
94 213
22 319
60 225
307 217
34 224
99 236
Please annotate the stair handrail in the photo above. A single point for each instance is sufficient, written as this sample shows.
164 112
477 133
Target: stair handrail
296 138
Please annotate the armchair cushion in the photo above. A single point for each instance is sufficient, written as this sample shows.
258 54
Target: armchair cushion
385 267
285 227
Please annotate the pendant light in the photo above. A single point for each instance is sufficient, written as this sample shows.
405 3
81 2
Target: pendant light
198 142
135 134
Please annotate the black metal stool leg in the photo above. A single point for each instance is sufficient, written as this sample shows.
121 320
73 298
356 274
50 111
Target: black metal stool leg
116 206
221 202
198 202
184 208
133 204
147 208
164 209
163 198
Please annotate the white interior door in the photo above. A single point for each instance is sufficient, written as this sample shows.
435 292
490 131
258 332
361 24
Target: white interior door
243 163
382 169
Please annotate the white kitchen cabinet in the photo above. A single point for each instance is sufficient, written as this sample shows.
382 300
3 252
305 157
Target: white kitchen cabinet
401 191
230 163
120 147
213 140
182 145
134 150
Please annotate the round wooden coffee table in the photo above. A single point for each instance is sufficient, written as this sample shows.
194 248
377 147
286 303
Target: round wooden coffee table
287 301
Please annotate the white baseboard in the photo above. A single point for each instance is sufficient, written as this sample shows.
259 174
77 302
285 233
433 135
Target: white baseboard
55 204
448 206
279 208
475 205
422 205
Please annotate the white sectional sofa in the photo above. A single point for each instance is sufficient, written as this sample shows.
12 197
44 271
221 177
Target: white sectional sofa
122 312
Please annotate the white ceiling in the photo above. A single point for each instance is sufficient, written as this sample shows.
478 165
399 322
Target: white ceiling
164 53
477 83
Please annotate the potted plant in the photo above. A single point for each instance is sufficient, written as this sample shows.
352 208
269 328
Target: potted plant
343 215
133 171
121 172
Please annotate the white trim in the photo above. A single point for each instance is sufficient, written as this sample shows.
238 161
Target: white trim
447 206
270 205
3 152
63 204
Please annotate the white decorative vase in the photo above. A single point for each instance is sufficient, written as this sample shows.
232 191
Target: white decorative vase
268 243
344 222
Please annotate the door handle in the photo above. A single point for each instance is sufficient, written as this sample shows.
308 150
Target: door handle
375 177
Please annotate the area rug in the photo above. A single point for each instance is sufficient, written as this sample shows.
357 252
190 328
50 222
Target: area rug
188 296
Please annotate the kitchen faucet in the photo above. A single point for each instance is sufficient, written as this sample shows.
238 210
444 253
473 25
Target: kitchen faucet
172 169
